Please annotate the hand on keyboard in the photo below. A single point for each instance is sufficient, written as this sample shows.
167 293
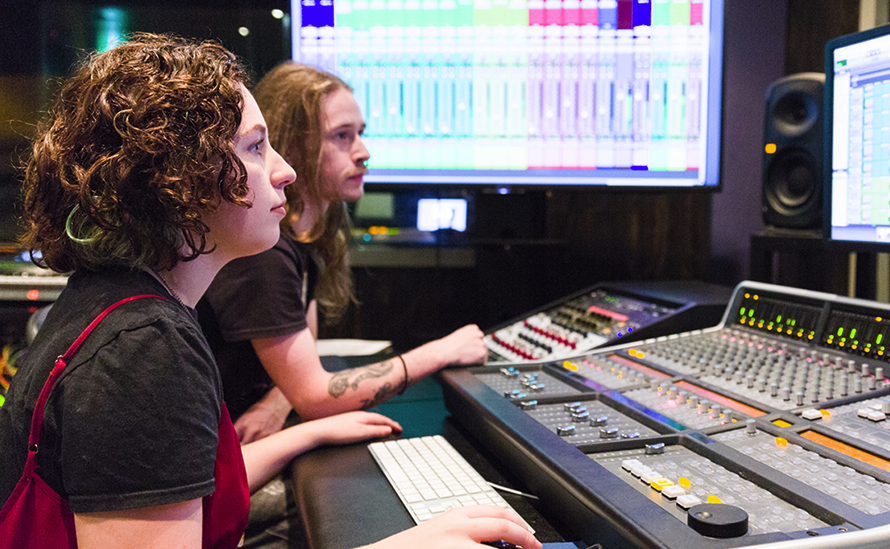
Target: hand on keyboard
464 527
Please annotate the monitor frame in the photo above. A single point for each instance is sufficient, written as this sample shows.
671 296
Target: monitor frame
554 178
828 144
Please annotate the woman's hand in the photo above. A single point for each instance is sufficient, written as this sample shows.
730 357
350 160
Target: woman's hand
353 427
465 527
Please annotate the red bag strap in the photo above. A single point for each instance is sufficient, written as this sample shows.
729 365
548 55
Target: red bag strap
61 363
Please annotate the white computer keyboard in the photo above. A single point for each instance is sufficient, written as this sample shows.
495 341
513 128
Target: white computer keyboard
430 477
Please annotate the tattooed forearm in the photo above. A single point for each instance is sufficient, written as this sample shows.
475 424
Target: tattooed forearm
383 393
350 379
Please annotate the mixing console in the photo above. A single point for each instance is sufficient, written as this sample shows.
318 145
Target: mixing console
606 314
772 425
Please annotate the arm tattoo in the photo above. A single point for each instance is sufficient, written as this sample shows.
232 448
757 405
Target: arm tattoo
349 379
382 395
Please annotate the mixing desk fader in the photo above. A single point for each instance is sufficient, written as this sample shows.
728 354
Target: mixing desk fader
772 426
605 314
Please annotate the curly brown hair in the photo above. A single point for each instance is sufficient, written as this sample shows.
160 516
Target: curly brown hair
291 97
136 148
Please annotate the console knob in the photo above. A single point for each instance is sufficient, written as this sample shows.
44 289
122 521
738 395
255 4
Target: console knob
653 449
718 520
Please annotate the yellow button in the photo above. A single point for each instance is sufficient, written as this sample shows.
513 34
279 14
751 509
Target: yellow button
684 482
570 366
825 413
770 148
714 499
781 442
781 423
659 483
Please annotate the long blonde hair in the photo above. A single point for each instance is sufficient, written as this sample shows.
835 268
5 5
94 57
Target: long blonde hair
291 97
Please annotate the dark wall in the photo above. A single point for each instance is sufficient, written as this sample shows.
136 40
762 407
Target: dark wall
755 46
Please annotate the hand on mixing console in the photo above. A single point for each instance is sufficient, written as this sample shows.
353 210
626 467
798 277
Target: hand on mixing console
464 527
463 346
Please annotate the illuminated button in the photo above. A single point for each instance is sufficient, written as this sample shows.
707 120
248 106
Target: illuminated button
825 413
568 365
529 405
571 405
673 492
811 414
599 421
685 483
781 442
566 431
688 501
714 499
611 432
660 483
630 435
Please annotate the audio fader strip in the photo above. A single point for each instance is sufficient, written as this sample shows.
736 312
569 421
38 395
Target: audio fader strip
772 426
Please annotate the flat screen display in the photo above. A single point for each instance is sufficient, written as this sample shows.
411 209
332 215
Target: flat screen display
623 93
857 106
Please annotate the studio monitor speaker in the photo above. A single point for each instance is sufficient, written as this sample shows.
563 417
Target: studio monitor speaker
792 155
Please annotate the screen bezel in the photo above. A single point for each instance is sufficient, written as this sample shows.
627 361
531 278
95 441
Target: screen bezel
715 125
828 144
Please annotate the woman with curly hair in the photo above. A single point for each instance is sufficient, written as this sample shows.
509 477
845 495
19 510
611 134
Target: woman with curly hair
153 172
260 313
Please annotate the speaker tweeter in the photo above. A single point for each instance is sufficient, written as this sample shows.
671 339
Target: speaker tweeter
792 153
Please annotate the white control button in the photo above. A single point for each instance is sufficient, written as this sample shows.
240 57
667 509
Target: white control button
688 501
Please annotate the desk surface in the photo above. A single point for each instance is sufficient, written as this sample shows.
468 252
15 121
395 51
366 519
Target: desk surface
345 500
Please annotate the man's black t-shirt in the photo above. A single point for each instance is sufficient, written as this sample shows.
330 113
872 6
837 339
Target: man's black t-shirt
132 422
261 296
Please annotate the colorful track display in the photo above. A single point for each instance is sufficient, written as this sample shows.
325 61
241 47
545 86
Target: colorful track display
511 85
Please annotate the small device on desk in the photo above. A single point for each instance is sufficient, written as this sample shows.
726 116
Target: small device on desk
431 477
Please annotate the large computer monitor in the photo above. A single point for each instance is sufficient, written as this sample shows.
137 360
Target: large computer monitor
857 144
528 93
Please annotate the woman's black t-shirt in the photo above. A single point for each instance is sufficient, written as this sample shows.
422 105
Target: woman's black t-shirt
132 422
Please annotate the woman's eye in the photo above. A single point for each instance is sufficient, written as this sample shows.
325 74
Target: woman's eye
258 146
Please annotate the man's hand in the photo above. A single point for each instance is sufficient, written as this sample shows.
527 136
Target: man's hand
264 418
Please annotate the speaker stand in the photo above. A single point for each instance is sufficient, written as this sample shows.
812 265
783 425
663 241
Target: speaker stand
799 258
